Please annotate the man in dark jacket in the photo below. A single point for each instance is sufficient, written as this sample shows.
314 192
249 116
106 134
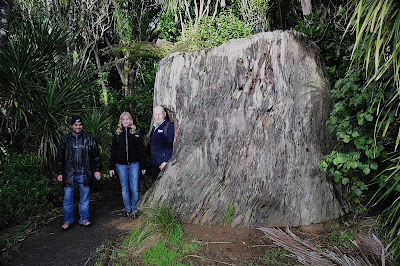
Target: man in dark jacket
161 141
78 162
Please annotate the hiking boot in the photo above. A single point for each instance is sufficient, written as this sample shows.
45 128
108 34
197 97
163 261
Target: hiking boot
135 214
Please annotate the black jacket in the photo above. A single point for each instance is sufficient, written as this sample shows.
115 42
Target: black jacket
121 153
91 160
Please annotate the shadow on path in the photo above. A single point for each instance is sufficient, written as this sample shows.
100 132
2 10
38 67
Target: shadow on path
77 246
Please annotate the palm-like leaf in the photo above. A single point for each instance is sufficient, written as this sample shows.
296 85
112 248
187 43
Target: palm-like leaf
40 86
34 50
97 123
64 95
377 47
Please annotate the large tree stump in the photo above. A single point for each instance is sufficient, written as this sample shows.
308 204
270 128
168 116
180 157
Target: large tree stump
250 130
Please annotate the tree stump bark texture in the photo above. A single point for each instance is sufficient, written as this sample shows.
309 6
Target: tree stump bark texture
249 133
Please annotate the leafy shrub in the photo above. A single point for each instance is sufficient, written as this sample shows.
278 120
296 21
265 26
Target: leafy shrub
23 189
140 102
168 28
328 34
359 155
210 33
365 120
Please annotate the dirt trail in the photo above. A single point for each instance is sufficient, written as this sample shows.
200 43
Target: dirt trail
77 246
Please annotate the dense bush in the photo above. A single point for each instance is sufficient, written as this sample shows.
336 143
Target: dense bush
360 160
210 33
328 34
140 102
23 189
359 154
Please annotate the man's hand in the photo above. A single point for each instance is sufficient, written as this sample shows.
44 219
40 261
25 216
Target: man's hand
143 172
98 175
59 178
112 173
162 165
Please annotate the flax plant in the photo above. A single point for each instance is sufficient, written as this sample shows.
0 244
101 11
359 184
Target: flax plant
41 87
376 24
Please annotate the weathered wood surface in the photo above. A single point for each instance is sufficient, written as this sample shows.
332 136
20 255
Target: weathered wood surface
250 129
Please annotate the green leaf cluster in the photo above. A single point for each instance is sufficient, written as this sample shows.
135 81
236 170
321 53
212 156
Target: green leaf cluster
140 102
210 33
42 87
328 34
23 190
358 156
167 27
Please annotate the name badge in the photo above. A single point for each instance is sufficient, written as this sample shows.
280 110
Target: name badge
160 131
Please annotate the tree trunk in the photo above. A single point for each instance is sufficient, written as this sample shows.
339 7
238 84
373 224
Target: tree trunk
5 13
249 131
100 72
306 7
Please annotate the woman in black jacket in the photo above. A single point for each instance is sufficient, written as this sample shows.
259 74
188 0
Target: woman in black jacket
127 154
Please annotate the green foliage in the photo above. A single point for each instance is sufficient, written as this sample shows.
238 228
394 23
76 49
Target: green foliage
284 14
228 213
276 256
328 34
377 43
134 19
162 235
97 122
355 160
210 33
168 28
42 86
140 102
364 117
160 219
66 93
11 242
336 239
257 13
160 254
26 62
23 190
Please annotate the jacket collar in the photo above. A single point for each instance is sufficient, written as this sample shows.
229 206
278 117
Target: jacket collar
155 125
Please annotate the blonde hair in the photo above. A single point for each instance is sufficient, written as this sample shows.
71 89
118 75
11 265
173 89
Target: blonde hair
131 125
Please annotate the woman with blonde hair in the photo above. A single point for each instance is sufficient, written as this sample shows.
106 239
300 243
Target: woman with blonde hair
127 154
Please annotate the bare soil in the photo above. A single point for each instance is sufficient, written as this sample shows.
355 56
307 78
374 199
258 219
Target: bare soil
224 245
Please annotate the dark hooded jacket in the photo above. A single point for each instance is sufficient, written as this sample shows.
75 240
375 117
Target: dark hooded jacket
87 160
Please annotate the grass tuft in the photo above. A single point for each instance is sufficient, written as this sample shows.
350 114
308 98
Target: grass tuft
157 241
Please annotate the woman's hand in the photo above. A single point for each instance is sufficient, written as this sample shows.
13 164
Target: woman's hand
112 173
162 165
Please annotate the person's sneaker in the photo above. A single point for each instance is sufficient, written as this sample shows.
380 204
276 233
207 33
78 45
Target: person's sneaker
127 214
135 214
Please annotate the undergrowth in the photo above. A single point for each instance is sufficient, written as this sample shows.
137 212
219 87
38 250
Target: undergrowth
158 241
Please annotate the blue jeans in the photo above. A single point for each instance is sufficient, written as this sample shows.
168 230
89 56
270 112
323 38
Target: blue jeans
129 178
68 204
